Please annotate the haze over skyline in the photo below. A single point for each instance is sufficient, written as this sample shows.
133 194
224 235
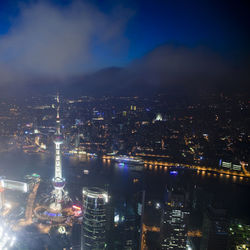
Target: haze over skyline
157 43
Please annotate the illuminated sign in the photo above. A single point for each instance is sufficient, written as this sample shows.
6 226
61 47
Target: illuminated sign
116 218
62 230
139 209
236 167
231 166
76 207
226 164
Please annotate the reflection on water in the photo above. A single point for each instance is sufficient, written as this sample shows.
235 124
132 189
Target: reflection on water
121 180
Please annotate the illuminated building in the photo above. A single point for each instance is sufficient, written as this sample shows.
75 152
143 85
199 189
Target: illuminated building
58 180
239 235
133 108
174 221
7 238
11 185
1 198
158 118
94 219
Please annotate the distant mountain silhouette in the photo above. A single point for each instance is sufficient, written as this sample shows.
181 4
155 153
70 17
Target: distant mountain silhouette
174 69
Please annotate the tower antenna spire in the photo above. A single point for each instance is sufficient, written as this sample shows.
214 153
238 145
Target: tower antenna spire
58 180
58 129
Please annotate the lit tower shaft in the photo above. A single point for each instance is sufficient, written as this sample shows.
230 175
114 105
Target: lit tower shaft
58 162
58 180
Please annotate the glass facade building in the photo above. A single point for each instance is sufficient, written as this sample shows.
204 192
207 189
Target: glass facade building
215 226
94 219
127 217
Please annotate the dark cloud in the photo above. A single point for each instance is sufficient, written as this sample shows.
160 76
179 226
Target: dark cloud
166 67
48 40
179 64
52 44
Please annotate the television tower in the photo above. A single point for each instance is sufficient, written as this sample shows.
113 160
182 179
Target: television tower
58 180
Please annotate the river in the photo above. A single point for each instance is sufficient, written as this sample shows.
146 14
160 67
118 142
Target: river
232 192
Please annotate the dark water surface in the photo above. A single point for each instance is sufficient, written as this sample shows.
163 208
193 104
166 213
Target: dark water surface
232 193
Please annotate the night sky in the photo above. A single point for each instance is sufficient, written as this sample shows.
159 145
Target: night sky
163 41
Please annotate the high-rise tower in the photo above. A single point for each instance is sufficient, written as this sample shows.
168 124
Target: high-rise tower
58 180
174 220
94 219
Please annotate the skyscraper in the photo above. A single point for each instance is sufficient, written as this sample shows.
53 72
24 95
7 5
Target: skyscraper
174 220
127 218
215 233
58 180
94 219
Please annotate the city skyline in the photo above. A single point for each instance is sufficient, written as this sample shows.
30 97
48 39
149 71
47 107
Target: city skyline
164 168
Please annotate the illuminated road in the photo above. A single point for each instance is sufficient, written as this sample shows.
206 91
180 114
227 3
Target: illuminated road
196 233
30 204
158 165
29 208
243 168
144 231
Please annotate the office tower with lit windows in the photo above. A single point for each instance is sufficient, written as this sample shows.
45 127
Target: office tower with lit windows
93 233
174 220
